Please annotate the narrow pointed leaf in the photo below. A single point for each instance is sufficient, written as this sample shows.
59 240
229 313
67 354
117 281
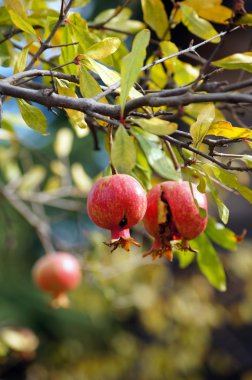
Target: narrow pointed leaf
209 262
123 153
32 116
236 61
155 16
21 60
197 25
103 48
200 128
132 64
156 126
221 235
89 87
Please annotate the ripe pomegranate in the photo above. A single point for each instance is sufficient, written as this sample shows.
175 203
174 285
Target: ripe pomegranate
173 215
57 273
117 203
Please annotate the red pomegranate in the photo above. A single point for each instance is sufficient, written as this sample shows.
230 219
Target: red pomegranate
57 273
173 215
117 203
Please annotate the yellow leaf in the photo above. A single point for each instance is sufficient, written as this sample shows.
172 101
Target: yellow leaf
21 60
200 128
236 61
155 16
225 129
211 10
169 48
76 118
103 48
156 126
63 142
197 25
18 15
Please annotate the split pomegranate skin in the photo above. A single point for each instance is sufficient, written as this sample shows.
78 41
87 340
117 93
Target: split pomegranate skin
117 203
173 215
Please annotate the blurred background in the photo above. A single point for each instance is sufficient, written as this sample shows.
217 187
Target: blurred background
131 319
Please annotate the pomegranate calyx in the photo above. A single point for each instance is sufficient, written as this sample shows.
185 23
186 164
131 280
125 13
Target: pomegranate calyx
122 242
60 301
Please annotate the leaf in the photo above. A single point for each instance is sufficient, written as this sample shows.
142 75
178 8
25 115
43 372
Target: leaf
155 16
21 60
80 177
211 10
156 126
231 181
158 159
200 128
221 235
63 142
245 19
209 262
76 118
89 87
197 25
236 61
119 21
68 53
21 23
123 152
132 64
222 208
225 129
185 258
108 76
103 48
32 116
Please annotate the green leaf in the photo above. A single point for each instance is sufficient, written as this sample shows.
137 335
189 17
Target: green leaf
21 23
199 129
103 48
89 87
21 60
158 159
32 116
123 152
156 126
32 179
68 53
185 258
221 235
230 180
196 25
245 19
155 16
209 262
132 64
236 61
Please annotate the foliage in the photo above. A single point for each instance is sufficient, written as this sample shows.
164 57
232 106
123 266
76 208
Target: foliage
118 91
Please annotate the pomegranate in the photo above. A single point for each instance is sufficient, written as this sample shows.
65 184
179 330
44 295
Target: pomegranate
117 203
173 215
57 273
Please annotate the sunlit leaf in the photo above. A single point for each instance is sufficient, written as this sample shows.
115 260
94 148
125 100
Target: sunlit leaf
68 53
80 177
197 25
185 258
21 61
132 64
221 235
156 126
76 118
89 87
200 128
18 15
231 181
245 19
157 159
103 48
225 129
209 262
32 116
119 21
123 153
211 10
155 16
236 61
